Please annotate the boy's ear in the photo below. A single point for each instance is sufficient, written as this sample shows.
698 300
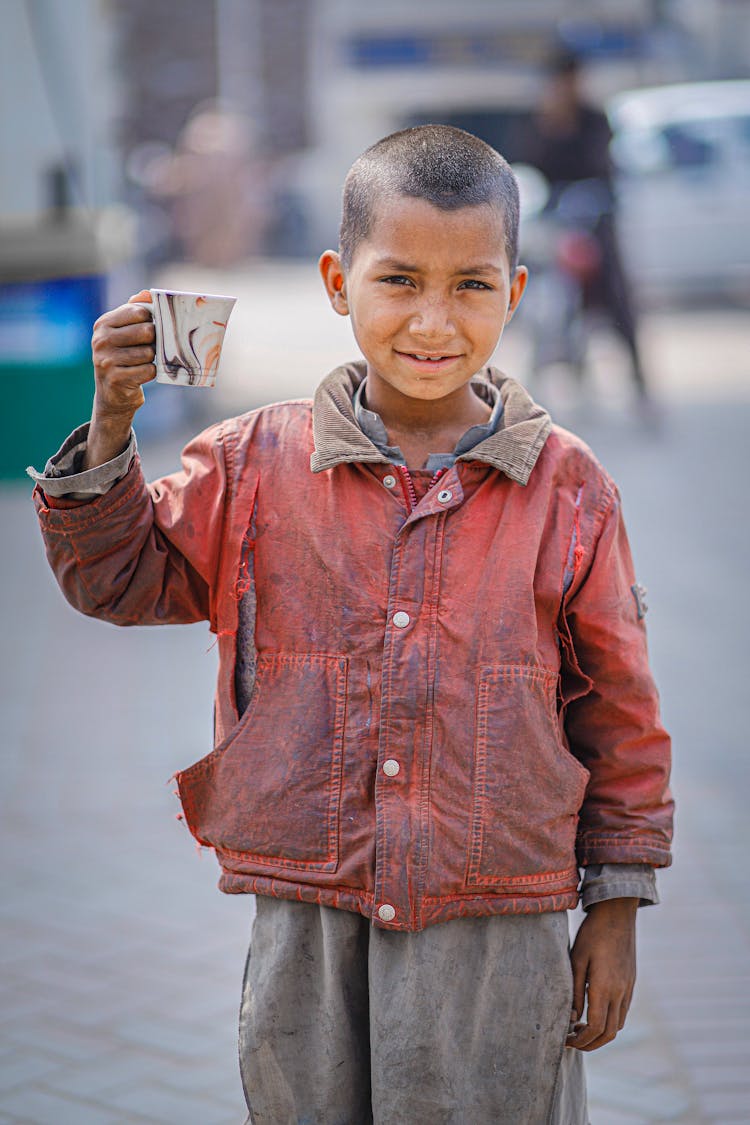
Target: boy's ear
332 273
517 290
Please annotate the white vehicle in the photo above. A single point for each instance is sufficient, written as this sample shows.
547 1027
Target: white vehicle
682 155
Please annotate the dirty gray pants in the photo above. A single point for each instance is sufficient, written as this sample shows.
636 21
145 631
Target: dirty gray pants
463 1023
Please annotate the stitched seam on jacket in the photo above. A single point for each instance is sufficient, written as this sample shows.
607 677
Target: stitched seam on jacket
381 816
425 802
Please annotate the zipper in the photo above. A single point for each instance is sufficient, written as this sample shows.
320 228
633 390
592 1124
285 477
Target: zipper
407 483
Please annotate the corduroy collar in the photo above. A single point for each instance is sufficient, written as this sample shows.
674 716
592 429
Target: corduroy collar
513 449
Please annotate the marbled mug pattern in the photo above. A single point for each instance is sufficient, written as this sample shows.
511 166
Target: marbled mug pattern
189 334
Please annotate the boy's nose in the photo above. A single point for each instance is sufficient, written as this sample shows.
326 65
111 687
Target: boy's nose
433 321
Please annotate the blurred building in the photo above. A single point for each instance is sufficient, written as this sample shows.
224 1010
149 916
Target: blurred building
61 231
245 64
58 96
109 89
320 79
478 65
215 130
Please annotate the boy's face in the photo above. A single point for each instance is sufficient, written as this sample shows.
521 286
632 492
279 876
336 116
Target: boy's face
429 293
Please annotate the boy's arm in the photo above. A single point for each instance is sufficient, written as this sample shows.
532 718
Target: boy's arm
122 349
65 480
132 554
626 819
614 727
143 554
603 963
603 955
95 456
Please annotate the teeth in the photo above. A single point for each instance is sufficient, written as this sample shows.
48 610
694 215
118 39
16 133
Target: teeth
434 358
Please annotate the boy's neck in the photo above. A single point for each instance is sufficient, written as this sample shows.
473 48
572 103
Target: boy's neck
420 427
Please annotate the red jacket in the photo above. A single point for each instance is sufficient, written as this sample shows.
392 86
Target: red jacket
452 705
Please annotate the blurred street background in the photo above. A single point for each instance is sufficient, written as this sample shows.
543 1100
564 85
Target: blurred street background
201 146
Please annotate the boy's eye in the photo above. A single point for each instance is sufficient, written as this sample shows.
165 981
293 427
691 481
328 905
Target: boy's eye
397 279
473 283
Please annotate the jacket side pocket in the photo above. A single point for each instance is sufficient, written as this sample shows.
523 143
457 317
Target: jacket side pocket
269 795
527 787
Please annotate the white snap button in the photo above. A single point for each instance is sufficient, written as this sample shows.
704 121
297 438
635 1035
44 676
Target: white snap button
389 481
401 619
391 767
445 496
386 913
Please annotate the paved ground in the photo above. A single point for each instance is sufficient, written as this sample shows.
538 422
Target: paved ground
120 963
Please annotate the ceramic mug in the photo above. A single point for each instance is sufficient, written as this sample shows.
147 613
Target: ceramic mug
189 335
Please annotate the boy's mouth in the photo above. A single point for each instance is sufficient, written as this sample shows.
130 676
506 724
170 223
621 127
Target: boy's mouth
427 358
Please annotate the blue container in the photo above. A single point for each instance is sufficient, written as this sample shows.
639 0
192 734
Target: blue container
45 365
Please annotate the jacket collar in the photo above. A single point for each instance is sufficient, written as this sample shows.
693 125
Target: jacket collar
513 449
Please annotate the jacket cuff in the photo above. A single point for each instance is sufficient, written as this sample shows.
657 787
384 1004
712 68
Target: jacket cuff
62 477
602 881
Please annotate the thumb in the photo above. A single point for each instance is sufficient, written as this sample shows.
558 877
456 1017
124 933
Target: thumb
143 297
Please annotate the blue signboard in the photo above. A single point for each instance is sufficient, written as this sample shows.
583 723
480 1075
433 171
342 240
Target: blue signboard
48 322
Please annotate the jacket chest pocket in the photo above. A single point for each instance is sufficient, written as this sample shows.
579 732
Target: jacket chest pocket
527 788
269 795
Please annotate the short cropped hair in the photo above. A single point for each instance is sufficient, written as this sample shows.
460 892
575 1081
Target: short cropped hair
445 166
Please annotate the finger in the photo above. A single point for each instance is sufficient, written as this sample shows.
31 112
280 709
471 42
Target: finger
580 970
107 344
125 314
143 296
134 357
130 335
609 1032
144 373
593 1028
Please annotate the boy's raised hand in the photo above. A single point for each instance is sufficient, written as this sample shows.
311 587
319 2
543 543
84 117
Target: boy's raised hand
603 961
122 348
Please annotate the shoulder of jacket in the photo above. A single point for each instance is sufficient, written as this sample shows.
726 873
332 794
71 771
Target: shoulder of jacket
242 429
270 415
574 466
575 460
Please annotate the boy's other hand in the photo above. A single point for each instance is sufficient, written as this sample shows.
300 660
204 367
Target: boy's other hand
603 961
122 347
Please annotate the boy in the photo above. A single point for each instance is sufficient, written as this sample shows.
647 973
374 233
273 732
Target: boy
433 699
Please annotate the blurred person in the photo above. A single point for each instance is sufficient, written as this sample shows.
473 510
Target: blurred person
569 144
218 186
434 700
